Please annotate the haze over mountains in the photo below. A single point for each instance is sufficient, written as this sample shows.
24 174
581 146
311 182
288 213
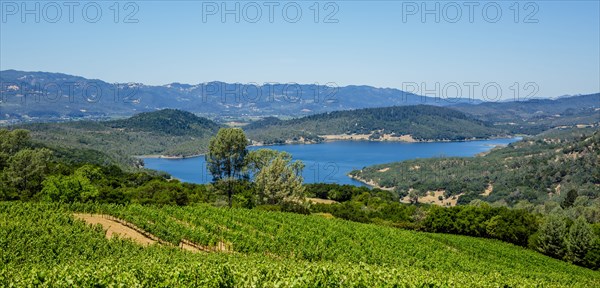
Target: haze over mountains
54 95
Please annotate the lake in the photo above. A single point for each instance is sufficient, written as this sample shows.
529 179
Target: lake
330 162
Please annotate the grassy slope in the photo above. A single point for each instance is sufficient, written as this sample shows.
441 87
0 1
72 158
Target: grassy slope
271 248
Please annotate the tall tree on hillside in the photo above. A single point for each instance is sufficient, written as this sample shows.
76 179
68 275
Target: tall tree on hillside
551 240
226 157
11 142
569 199
579 240
278 178
26 171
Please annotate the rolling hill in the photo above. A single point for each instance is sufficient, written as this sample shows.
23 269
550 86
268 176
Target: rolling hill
537 115
265 249
166 132
401 123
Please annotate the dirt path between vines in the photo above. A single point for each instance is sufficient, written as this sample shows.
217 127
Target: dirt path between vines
114 228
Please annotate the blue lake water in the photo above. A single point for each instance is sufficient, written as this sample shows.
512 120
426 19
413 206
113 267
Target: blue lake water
330 162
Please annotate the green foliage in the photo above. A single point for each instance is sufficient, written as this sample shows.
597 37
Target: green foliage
279 179
579 241
551 240
11 142
26 170
161 193
335 192
73 188
570 199
513 226
167 121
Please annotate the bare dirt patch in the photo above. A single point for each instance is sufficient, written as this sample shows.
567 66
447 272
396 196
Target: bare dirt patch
384 169
193 247
433 197
346 137
321 201
488 190
382 137
114 228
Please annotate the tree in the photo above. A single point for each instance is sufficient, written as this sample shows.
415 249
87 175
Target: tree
569 199
258 159
26 170
551 240
11 142
69 189
226 157
579 240
279 178
414 195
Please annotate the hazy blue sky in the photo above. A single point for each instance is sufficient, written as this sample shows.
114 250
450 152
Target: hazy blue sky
378 43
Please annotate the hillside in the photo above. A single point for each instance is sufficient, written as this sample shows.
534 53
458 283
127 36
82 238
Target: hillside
43 96
167 121
414 123
268 249
536 169
165 132
537 115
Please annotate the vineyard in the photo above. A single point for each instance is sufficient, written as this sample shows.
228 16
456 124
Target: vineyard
45 245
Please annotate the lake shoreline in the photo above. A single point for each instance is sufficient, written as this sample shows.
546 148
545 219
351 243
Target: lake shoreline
333 161
371 183
401 139
329 140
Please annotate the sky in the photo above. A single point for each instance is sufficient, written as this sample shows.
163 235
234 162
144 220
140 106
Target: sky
489 49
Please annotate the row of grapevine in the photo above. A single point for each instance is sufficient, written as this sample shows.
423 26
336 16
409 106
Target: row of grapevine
43 245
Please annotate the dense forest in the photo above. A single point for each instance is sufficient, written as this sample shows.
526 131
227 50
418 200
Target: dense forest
422 122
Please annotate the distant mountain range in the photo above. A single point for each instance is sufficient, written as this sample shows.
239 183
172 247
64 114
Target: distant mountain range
46 96
537 115
51 97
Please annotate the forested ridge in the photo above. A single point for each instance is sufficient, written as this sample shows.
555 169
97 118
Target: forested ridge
422 122
535 170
